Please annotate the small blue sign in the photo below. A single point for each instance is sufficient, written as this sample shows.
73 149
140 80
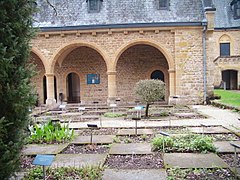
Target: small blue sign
43 160
93 79
138 108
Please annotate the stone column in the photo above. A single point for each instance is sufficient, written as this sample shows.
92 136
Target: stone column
112 86
172 86
51 101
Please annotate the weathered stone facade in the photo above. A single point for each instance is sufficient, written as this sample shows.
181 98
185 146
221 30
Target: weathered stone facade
124 51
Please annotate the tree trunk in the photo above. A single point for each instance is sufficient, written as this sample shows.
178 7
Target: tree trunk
146 112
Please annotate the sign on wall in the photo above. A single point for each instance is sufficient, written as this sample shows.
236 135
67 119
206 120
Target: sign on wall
93 79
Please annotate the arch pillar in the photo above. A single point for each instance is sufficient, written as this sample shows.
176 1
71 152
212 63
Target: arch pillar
172 85
51 101
112 86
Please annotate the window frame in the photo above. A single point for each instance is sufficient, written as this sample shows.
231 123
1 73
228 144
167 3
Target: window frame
163 7
98 8
224 50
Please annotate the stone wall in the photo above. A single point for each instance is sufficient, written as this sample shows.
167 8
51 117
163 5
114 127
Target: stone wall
215 64
124 56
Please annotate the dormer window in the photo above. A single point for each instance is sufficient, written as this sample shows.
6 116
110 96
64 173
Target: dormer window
163 4
235 4
94 5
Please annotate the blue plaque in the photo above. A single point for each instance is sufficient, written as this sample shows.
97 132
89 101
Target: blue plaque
138 108
43 160
93 79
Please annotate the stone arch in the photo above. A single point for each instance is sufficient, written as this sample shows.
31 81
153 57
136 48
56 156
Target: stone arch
123 48
224 38
64 50
41 57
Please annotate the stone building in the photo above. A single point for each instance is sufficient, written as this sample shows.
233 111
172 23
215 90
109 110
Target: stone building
96 50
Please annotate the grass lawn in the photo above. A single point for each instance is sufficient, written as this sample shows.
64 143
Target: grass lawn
228 97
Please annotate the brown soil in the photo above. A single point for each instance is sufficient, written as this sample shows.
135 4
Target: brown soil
135 161
86 149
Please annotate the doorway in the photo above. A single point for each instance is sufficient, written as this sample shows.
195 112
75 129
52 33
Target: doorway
230 78
73 88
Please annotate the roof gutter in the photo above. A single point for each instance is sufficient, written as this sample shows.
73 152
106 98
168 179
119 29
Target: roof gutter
118 26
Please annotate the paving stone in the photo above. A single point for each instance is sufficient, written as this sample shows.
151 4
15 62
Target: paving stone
78 160
225 146
185 115
33 149
133 132
132 148
209 130
97 139
140 174
193 160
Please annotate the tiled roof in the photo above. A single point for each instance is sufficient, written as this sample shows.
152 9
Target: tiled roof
75 12
224 15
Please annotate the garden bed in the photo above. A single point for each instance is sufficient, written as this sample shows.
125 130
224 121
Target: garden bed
229 159
26 162
86 149
199 174
100 131
152 161
133 139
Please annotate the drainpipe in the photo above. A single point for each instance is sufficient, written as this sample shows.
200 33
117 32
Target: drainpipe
204 24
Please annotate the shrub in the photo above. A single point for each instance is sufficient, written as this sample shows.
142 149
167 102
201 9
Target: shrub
50 133
149 91
16 93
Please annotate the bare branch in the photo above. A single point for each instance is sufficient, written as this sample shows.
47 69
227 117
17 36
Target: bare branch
55 11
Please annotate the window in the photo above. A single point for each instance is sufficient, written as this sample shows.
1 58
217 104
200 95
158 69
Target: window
157 75
224 49
163 4
236 8
94 5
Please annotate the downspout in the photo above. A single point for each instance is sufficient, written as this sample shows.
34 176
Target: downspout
204 24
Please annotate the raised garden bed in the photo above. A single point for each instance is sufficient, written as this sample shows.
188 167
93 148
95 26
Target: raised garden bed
152 161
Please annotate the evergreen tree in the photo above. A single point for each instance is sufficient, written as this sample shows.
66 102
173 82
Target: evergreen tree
15 91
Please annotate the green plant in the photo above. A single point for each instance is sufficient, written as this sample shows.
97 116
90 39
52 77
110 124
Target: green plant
127 140
191 142
62 173
149 91
116 139
50 133
157 143
144 137
164 113
113 115
202 144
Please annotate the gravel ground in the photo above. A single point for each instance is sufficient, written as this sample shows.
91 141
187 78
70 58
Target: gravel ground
86 149
135 161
